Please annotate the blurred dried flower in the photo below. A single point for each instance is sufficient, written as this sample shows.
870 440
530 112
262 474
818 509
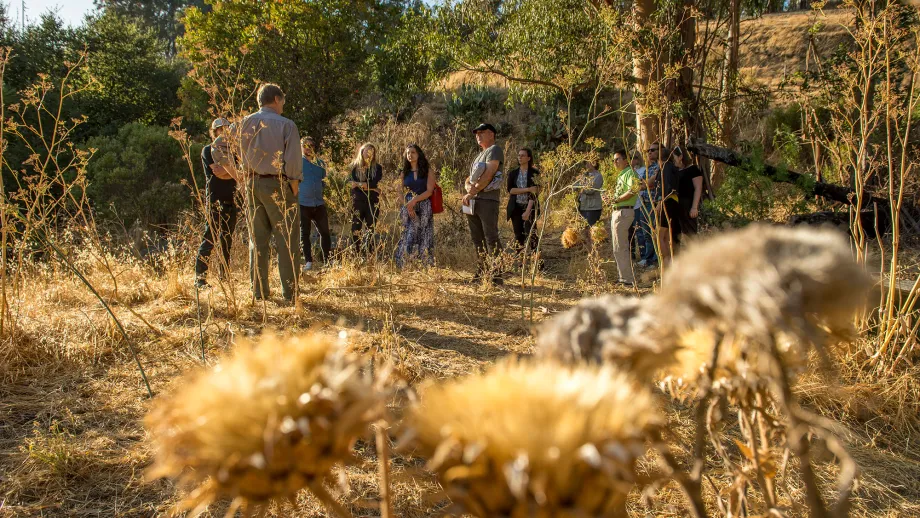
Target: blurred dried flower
265 423
599 234
764 282
624 331
526 439
571 238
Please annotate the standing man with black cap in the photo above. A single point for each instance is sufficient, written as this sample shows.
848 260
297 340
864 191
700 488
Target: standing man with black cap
481 202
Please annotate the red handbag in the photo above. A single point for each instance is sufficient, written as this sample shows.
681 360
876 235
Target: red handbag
437 200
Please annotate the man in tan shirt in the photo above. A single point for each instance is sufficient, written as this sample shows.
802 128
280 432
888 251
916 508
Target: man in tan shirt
270 158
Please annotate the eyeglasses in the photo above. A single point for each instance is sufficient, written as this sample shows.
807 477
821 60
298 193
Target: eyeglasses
653 150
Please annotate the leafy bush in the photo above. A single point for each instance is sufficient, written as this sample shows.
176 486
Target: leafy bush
748 195
471 103
138 175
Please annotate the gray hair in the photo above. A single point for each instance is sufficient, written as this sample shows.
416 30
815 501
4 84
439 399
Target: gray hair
268 93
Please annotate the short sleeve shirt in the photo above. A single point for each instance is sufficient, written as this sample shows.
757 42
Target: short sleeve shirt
493 190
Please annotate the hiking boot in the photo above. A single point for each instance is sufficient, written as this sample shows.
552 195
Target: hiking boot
307 267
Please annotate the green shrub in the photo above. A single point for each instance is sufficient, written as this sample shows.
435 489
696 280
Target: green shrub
138 174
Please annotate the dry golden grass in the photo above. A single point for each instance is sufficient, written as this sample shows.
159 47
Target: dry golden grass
72 404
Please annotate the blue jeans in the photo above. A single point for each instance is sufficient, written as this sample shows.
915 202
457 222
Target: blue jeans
644 236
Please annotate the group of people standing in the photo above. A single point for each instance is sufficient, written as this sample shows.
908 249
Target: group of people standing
652 206
283 198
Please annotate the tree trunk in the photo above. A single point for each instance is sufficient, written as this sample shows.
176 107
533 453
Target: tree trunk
687 56
643 70
729 84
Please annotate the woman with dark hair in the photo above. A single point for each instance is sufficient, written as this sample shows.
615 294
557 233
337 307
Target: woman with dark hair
689 191
523 203
667 211
418 221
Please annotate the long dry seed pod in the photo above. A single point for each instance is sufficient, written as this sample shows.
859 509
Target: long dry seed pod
265 423
536 439
624 331
571 238
764 283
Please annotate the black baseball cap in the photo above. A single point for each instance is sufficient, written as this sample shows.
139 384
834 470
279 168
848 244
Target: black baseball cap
484 126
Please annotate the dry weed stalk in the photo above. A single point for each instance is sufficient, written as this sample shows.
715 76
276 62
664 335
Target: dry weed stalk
265 423
623 331
528 439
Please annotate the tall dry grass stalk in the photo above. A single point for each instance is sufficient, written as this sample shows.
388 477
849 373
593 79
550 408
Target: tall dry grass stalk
265 423
527 439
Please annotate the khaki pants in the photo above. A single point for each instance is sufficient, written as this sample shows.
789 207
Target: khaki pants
620 222
273 211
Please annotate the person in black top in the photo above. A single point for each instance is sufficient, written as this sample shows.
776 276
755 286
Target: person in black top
222 211
364 177
689 191
665 182
523 203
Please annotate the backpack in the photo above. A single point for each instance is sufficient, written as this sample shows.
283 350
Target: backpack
437 200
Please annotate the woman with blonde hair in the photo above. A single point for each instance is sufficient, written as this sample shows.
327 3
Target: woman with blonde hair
364 177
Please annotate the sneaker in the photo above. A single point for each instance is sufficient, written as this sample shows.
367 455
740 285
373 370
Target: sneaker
643 263
627 284
202 284
307 267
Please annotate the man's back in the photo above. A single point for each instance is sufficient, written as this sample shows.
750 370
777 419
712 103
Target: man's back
269 144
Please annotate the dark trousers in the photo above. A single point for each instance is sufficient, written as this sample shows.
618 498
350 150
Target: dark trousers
218 230
320 217
523 229
688 226
363 216
484 229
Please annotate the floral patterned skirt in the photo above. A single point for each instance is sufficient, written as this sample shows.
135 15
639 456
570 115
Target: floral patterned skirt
418 235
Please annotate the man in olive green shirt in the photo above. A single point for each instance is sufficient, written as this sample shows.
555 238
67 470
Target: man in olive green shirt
271 159
625 192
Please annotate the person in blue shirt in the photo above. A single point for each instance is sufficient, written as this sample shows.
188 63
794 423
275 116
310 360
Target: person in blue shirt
312 206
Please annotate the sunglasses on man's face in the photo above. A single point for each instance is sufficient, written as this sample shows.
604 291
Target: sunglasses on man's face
653 150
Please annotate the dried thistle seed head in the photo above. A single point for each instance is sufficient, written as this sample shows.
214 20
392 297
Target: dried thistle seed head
624 331
762 282
599 234
264 423
571 238
543 437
